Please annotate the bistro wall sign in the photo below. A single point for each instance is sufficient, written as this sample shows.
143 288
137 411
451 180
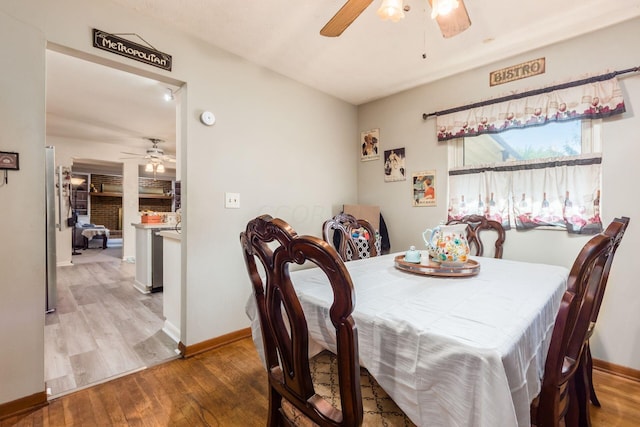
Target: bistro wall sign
517 72
129 49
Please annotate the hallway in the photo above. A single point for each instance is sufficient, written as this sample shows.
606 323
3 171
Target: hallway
102 327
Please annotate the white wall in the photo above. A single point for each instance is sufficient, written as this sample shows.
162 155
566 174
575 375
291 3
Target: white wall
399 118
276 142
22 224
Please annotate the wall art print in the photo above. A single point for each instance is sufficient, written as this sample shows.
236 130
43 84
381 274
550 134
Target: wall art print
394 169
370 145
424 188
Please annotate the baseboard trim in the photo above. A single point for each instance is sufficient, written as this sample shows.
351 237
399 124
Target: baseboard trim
192 350
22 405
141 287
612 368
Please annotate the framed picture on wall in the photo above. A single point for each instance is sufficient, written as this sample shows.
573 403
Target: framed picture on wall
9 161
424 188
394 169
369 145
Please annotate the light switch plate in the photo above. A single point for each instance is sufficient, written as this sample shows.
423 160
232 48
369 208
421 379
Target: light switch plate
232 200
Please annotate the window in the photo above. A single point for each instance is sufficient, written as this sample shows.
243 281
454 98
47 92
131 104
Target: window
537 142
554 140
539 171
541 176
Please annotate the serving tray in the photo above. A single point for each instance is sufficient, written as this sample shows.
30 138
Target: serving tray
431 268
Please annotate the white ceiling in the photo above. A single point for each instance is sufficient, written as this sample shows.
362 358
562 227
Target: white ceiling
370 60
375 58
91 102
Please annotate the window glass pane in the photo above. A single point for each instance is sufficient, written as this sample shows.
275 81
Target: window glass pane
535 142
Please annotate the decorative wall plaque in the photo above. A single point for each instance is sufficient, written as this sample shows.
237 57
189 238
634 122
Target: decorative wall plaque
517 72
123 47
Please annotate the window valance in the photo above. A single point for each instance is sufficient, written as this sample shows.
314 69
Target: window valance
592 98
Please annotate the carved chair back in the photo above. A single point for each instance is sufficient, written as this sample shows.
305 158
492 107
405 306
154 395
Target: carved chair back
338 231
585 389
477 225
275 245
559 399
616 231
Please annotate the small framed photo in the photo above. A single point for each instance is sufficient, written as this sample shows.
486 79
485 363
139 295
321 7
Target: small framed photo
369 145
424 188
9 161
394 169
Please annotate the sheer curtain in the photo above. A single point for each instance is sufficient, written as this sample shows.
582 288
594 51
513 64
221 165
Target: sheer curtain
555 193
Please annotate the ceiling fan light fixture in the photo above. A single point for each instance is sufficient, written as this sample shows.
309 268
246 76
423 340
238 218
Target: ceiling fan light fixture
443 7
160 168
149 167
391 9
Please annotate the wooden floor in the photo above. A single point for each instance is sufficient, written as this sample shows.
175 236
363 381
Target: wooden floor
227 387
102 327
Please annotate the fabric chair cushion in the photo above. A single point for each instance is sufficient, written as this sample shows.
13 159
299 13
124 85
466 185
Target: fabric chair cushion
379 408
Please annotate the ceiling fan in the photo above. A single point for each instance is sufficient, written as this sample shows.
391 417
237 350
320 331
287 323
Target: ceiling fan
154 154
452 23
155 157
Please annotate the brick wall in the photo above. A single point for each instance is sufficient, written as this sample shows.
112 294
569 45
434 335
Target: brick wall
148 182
157 205
106 210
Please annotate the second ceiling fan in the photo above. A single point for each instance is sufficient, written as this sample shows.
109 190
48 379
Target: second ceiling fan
154 153
154 157
452 23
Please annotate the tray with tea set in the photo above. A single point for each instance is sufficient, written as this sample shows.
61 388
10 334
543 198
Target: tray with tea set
432 268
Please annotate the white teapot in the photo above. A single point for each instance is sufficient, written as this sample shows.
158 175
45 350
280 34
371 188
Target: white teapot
447 244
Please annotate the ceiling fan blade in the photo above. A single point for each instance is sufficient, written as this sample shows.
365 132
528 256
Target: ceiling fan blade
345 16
132 154
455 22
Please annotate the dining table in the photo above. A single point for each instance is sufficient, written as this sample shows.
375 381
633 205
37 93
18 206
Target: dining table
89 231
456 351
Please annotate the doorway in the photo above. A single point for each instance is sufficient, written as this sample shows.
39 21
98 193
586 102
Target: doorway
102 326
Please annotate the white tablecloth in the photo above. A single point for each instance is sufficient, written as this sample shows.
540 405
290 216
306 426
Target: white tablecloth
91 232
450 351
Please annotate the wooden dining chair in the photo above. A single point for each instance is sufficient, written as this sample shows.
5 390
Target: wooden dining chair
477 225
551 407
586 391
561 398
296 394
338 231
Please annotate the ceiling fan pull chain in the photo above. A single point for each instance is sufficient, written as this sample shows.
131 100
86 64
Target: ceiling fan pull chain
424 32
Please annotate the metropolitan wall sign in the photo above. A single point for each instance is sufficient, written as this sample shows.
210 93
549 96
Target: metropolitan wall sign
129 49
517 72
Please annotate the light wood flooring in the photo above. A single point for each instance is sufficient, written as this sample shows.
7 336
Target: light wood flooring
102 327
226 387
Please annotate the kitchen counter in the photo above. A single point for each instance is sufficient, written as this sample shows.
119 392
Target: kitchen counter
149 262
163 225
